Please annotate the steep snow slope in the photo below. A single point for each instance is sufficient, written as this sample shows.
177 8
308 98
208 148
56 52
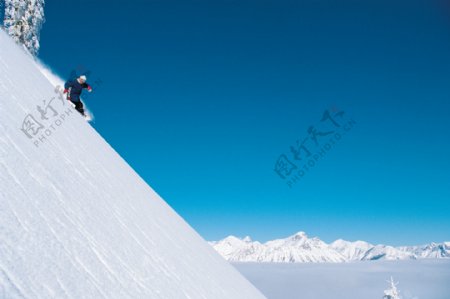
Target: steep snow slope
75 220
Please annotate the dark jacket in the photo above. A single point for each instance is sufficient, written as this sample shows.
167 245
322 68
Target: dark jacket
74 89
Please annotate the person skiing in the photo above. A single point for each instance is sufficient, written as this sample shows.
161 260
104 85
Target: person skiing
74 88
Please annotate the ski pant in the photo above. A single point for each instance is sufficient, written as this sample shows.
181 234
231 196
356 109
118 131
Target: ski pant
78 106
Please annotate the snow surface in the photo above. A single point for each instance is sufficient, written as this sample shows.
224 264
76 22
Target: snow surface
77 222
417 279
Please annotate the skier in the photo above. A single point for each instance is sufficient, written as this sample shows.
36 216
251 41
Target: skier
73 89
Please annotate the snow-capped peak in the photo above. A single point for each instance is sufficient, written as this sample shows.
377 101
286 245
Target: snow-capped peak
432 250
296 248
247 239
300 235
351 250
300 248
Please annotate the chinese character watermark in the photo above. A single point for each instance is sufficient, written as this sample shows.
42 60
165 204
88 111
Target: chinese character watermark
307 151
50 115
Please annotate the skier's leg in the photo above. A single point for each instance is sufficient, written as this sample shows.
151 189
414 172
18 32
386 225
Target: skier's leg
79 107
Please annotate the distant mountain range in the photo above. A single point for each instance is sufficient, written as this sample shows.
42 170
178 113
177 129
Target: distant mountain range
299 248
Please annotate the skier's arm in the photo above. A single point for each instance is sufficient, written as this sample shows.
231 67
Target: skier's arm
87 86
68 85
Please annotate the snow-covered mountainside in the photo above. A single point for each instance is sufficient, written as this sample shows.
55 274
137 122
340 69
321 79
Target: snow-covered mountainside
300 248
75 220
433 250
297 248
351 250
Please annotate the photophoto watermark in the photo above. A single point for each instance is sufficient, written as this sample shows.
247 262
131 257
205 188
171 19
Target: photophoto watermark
47 118
307 151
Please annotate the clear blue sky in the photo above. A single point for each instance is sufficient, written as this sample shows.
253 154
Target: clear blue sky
202 97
